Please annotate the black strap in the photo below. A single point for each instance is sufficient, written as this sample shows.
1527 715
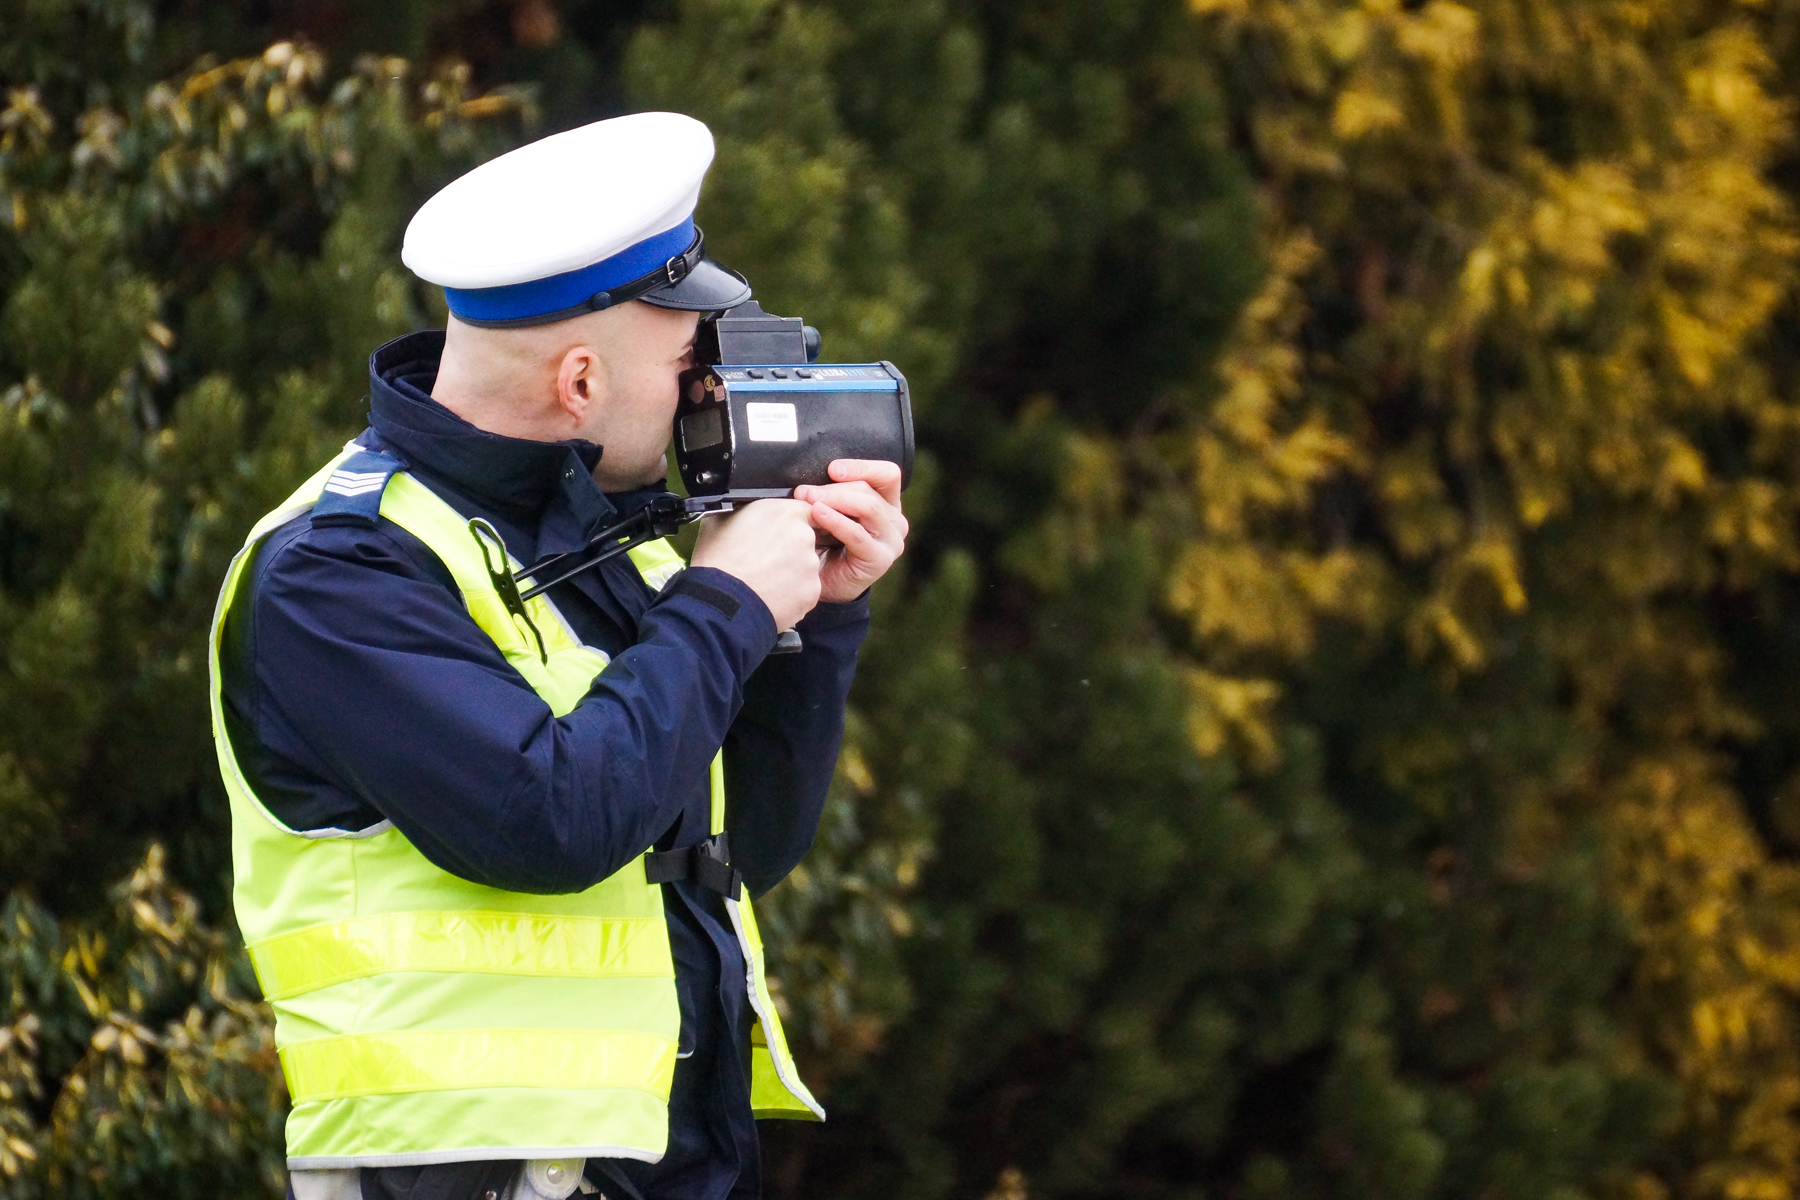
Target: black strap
707 863
668 274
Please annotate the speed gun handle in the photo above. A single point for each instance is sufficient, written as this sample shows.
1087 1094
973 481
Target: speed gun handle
788 640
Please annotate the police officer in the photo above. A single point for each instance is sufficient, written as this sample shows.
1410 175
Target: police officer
494 858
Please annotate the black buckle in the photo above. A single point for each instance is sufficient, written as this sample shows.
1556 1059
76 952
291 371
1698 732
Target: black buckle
707 863
687 260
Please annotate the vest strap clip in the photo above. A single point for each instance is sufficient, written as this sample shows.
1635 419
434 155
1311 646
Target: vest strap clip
493 548
707 863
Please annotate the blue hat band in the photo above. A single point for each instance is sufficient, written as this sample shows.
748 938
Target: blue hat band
571 289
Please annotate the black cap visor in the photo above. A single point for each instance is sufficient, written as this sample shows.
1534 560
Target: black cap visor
707 288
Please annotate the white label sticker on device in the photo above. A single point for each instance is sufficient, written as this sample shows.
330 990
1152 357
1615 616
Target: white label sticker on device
772 422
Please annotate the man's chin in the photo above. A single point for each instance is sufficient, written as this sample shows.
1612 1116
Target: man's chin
653 475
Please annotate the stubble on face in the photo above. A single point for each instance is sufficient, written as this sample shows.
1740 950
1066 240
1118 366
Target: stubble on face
647 351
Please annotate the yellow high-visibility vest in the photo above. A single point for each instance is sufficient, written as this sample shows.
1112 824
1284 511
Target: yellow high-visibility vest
423 1018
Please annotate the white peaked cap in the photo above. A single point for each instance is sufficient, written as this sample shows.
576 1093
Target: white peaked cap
563 225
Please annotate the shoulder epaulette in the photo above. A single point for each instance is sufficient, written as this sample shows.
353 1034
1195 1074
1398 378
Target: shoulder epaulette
353 493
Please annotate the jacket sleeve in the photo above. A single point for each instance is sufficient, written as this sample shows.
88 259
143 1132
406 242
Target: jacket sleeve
374 671
783 747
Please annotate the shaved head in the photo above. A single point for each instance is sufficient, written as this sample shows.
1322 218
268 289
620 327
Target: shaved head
607 377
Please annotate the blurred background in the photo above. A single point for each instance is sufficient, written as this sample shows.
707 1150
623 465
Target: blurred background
1338 733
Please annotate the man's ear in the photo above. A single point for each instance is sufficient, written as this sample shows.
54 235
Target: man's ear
580 383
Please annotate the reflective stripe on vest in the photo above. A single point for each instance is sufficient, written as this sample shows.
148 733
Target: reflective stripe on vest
420 1017
293 964
420 1060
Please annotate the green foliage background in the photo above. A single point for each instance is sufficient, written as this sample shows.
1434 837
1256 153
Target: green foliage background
1335 734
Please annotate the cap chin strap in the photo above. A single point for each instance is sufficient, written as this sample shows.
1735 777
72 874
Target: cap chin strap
667 275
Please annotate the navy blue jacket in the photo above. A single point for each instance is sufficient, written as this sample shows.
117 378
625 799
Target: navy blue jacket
357 689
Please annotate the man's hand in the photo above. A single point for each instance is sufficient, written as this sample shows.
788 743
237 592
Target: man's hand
862 511
769 545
